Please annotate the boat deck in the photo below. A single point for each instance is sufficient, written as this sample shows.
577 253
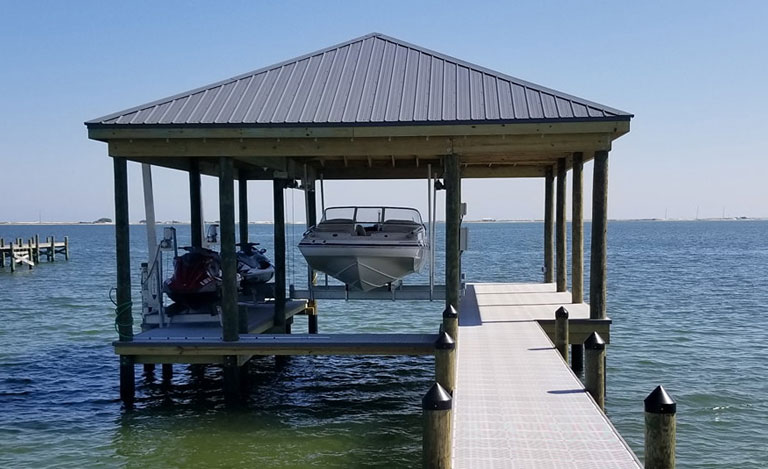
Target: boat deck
517 403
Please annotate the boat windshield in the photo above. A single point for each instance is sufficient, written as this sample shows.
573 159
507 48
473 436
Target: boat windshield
368 215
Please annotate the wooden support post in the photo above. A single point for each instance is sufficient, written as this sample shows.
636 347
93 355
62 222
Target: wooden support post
445 362
195 204
167 372
12 258
52 257
149 368
598 257
242 319
561 332
2 253
560 227
231 379
229 310
37 248
549 226
451 322
436 406
594 372
312 316
660 430
242 192
30 253
124 307
452 231
577 230
279 254
66 248
577 358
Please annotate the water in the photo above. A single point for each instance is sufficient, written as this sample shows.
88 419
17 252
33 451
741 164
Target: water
687 298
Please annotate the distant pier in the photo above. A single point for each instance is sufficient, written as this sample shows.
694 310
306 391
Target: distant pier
20 252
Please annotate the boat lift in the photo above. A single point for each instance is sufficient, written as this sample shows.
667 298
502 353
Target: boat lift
397 290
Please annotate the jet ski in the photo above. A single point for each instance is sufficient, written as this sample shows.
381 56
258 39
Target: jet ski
253 267
196 279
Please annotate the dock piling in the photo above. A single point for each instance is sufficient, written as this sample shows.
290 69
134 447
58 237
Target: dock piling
549 226
660 430
312 316
445 362
37 249
436 405
561 332
167 373
66 248
594 372
52 257
12 259
560 228
451 322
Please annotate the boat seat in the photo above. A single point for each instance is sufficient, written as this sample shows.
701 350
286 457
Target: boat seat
398 226
336 227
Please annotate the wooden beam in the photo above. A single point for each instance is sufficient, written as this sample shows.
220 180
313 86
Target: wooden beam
359 147
452 229
278 186
598 257
617 127
285 344
577 230
560 228
229 309
549 226
242 192
195 204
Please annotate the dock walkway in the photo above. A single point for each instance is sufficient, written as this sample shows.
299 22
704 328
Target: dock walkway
517 403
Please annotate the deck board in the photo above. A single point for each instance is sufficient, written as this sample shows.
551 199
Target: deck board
517 404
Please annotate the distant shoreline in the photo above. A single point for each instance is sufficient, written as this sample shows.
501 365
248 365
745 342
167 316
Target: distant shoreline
174 223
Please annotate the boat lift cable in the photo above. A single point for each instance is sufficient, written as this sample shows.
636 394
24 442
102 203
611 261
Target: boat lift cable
119 310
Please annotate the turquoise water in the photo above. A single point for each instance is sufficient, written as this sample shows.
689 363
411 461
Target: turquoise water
688 301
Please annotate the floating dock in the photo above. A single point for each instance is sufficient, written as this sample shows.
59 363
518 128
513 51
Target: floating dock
517 403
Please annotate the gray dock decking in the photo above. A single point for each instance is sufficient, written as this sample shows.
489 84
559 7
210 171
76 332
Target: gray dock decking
517 403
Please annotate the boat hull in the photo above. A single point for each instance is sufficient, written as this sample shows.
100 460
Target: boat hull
365 267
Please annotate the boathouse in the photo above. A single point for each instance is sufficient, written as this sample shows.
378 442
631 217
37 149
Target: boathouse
376 107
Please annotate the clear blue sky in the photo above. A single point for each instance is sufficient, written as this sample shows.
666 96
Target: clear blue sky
693 73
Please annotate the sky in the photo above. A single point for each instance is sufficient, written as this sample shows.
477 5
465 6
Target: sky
693 73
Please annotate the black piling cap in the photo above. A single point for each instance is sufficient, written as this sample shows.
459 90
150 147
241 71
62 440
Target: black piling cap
561 313
445 342
594 342
659 402
450 313
437 398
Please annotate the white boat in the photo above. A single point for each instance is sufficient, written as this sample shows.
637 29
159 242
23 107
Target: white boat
367 247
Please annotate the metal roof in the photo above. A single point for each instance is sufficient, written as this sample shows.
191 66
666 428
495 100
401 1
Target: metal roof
372 80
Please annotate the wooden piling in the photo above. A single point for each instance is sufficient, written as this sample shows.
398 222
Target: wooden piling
549 226
167 372
445 362
560 227
279 254
312 316
52 257
66 248
452 231
594 371
37 248
577 231
598 256
577 358
242 192
436 449
124 309
561 332
2 253
660 430
451 322
229 309
12 258
195 204
231 374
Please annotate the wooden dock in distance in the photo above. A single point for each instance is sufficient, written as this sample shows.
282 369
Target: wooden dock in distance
30 252
517 403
